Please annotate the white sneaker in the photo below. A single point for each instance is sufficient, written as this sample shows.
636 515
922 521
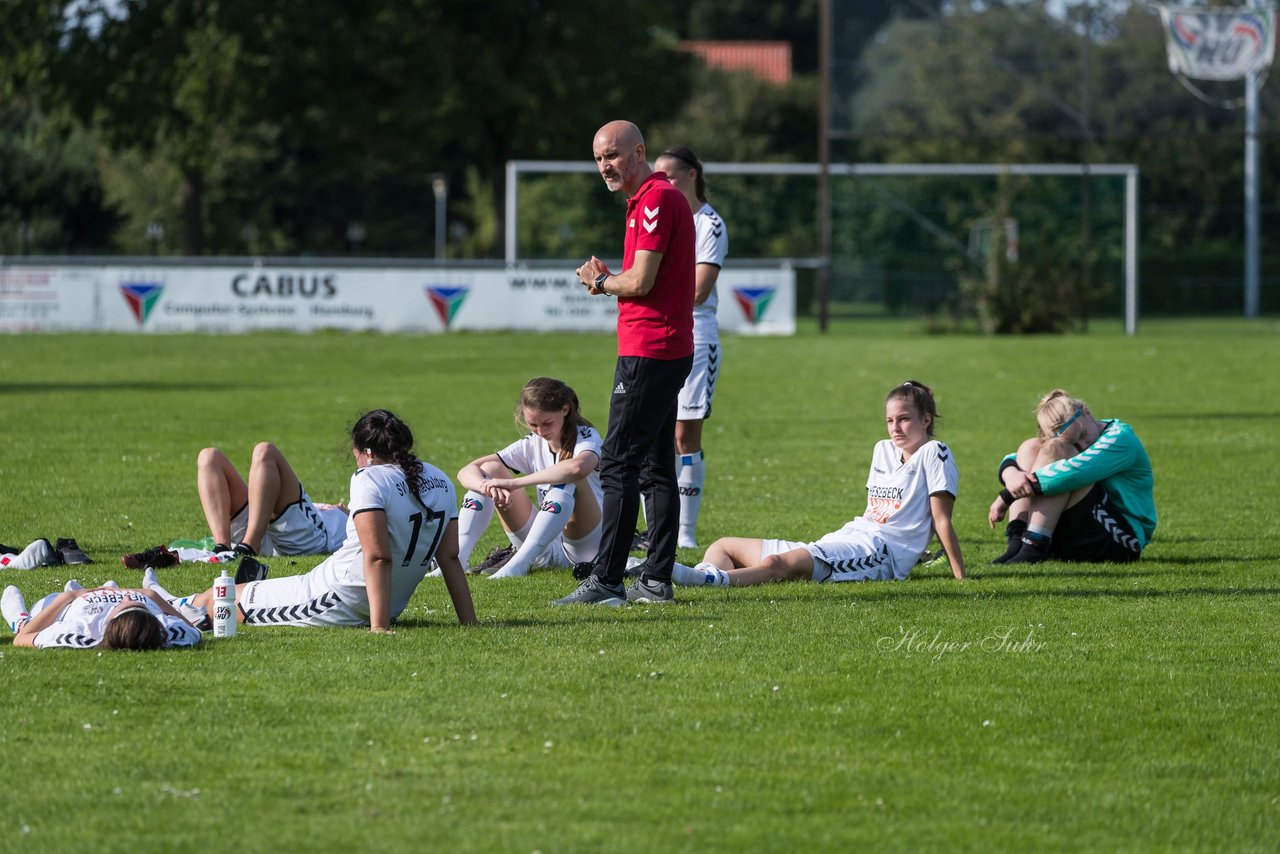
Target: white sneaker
40 553
110 583
72 585
14 608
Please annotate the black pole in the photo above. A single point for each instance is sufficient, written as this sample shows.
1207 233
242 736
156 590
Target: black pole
824 163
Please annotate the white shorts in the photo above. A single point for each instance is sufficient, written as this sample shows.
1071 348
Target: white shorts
842 556
300 530
566 552
700 386
295 600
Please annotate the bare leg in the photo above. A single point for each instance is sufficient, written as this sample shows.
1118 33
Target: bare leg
688 437
272 487
1028 454
222 492
795 565
519 510
205 600
1047 509
586 513
734 552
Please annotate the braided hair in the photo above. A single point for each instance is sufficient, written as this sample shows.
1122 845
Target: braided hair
389 438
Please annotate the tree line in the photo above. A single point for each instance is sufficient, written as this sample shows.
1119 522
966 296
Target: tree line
232 127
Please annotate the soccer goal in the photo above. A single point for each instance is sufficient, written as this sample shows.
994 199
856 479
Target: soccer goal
554 208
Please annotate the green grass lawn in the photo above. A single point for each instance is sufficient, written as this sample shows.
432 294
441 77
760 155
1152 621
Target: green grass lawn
1053 707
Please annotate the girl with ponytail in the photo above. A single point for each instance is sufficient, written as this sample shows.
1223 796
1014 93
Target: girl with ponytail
403 516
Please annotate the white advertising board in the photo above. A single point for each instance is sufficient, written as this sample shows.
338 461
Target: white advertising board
229 298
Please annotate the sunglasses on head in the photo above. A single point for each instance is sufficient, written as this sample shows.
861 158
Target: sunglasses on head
1070 421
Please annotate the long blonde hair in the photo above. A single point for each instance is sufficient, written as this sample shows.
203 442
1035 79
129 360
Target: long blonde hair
1054 410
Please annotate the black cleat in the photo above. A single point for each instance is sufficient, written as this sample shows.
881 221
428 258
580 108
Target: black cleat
156 558
640 542
250 569
496 560
1030 553
244 549
71 552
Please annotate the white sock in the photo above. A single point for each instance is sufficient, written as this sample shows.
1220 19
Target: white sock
150 582
692 475
547 524
14 608
473 518
703 575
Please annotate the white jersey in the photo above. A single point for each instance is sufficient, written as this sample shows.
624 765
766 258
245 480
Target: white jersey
83 622
533 454
898 498
712 245
416 525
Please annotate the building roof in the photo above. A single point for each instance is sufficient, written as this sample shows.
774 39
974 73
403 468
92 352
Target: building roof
769 61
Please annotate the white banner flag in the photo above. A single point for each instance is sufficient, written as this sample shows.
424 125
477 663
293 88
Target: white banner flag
1215 44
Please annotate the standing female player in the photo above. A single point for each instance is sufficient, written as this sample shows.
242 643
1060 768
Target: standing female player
107 617
560 456
684 171
402 515
1082 490
911 492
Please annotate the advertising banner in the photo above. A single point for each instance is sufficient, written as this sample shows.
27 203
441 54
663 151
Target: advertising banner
217 299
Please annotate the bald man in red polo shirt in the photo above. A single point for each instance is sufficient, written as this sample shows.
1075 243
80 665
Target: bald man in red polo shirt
655 293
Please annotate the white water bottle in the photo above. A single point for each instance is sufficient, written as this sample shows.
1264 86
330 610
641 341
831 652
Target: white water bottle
224 606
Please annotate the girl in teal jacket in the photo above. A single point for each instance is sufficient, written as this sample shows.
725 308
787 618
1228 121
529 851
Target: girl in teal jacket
1080 491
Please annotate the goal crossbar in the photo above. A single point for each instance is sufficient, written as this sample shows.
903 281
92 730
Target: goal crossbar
1126 170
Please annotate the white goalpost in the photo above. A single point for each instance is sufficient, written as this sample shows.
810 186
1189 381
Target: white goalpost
516 168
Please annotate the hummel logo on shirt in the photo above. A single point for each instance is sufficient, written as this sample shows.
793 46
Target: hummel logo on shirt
650 221
620 389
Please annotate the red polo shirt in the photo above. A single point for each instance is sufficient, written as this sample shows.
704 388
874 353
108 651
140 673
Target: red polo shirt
659 325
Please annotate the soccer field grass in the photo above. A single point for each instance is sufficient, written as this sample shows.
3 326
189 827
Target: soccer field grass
1052 707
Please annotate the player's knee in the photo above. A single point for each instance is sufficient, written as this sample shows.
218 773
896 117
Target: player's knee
1028 451
782 570
264 451
1057 448
209 457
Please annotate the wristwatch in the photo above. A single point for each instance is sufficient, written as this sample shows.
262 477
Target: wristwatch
600 282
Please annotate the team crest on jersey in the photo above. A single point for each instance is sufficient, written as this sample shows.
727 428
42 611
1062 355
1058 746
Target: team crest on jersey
141 297
447 299
754 302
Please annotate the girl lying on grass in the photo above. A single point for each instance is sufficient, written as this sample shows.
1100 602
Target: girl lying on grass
107 617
